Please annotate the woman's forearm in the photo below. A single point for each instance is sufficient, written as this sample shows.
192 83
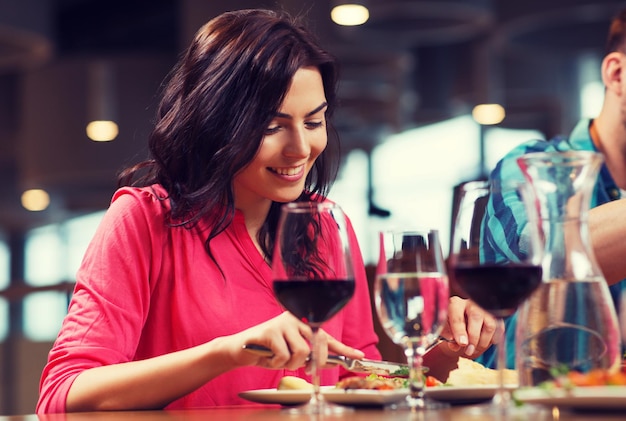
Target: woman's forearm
148 384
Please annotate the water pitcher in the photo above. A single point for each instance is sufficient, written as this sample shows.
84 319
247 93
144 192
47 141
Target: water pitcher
570 322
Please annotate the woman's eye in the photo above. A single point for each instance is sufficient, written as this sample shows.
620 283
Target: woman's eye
272 130
314 124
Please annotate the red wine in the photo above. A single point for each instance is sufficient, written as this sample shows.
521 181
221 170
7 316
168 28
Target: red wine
314 302
498 289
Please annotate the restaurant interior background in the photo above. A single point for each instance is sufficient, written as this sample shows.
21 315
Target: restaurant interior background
411 76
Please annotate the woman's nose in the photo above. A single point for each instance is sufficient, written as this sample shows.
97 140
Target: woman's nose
298 144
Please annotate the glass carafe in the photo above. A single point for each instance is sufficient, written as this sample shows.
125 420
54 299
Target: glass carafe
569 323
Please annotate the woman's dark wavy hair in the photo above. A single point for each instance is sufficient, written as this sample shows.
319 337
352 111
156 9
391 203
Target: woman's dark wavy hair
217 103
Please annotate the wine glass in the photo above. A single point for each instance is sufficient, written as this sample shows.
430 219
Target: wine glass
313 274
496 280
411 295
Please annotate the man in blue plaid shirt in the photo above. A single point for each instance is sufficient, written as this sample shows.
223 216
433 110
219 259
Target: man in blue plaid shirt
605 134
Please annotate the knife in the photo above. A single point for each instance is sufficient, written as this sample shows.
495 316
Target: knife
381 368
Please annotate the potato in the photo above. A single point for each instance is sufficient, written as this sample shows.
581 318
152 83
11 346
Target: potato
293 383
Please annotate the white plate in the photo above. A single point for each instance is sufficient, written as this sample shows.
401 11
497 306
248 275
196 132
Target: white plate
345 397
464 394
282 397
593 397
364 397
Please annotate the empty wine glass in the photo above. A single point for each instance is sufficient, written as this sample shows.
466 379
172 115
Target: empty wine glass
313 274
498 282
411 296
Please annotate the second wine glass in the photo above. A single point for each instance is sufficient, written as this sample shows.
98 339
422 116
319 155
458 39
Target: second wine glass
497 280
313 274
411 295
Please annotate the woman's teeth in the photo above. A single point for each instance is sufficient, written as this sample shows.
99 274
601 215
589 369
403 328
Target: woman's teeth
287 171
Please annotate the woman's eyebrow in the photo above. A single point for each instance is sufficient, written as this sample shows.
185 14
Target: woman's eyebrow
309 114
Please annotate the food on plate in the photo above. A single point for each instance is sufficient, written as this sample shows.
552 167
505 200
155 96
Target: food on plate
400 372
376 382
471 373
293 383
371 382
597 377
467 373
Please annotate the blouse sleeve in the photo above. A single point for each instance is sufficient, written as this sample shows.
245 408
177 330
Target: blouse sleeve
111 298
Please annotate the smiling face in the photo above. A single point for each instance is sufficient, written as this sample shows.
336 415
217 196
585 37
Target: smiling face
292 142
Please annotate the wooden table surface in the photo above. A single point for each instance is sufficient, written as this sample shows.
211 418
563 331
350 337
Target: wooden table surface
456 413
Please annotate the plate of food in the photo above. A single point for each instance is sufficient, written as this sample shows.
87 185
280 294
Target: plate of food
275 396
373 391
469 382
597 389
586 397
365 395
459 395
290 391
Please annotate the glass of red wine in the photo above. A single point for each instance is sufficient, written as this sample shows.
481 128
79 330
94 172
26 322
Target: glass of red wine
313 274
496 277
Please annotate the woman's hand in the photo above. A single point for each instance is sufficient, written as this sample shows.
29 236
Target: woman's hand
285 335
289 340
473 329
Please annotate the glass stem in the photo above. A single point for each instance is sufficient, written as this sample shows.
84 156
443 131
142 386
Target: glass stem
502 397
316 399
415 356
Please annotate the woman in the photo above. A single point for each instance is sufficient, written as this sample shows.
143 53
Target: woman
177 277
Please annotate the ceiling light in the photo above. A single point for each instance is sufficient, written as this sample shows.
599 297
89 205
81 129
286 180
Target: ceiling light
102 130
349 14
488 114
102 110
35 200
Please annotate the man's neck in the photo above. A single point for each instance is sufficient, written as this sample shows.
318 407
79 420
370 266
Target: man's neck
612 144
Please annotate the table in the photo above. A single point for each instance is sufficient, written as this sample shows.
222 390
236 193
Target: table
457 413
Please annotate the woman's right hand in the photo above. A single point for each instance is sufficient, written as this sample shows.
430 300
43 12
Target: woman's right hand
285 335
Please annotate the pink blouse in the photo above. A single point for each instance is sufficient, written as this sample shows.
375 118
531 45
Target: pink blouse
145 289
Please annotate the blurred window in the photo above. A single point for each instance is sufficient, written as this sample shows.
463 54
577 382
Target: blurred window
53 254
5 276
590 85
43 314
44 256
414 174
5 270
4 319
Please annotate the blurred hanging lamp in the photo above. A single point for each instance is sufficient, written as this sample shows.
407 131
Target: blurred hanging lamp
488 114
102 127
35 200
349 13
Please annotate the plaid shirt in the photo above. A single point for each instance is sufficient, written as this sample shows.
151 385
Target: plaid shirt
507 226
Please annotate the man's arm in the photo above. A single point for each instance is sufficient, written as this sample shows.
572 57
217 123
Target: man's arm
607 227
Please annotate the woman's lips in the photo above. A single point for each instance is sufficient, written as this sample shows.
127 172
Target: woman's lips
289 173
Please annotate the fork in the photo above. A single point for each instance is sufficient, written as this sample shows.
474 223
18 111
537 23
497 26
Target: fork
384 368
439 340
